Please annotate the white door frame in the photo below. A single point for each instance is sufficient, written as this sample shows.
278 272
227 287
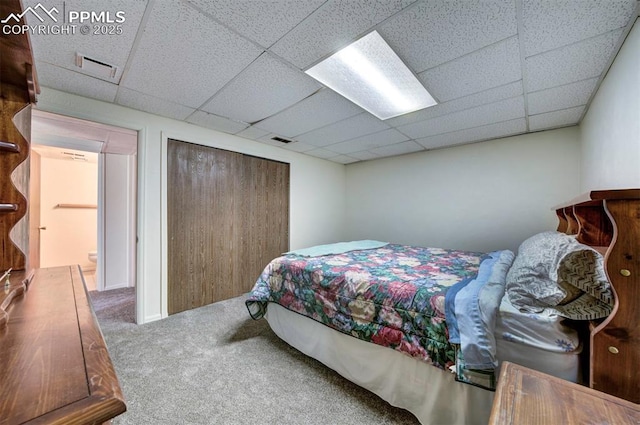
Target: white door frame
48 138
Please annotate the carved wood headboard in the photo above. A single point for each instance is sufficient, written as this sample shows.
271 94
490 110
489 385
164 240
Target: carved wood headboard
609 221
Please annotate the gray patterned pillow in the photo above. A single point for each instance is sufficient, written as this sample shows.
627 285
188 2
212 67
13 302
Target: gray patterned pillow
554 271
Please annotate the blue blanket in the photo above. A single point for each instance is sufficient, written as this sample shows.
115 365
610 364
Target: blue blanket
471 308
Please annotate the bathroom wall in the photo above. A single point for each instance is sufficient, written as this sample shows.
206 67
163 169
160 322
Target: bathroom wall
70 232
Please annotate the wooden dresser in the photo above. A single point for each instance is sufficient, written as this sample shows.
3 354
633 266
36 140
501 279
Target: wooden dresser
55 364
528 397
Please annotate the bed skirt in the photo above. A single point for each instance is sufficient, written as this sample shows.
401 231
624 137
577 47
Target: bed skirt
431 394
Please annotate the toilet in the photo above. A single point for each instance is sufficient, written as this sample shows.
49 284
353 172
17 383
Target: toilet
93 256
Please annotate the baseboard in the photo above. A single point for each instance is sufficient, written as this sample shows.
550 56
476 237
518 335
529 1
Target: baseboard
150 319
117 286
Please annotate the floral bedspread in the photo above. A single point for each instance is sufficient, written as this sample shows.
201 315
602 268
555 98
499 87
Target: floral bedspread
393 296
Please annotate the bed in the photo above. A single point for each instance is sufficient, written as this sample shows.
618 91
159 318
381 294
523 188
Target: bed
426 329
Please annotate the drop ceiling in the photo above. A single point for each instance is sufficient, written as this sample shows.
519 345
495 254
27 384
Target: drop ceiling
496 67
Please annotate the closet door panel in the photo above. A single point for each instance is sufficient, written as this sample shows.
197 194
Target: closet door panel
203 209
266 215
228 216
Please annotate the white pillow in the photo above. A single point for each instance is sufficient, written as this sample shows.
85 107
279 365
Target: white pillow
554 271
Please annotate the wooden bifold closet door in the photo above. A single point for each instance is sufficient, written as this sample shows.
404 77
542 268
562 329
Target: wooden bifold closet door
228 216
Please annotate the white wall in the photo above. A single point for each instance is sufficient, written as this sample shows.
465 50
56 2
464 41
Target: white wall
610 130
71 232
317 197
484 196
118 230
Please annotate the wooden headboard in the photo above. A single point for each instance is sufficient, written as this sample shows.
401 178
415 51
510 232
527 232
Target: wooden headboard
609 221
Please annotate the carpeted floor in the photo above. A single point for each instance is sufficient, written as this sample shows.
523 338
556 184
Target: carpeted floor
215 365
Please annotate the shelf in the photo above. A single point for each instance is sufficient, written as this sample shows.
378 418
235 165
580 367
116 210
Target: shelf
79 206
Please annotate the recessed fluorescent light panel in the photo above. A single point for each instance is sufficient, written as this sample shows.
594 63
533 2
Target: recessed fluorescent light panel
371 75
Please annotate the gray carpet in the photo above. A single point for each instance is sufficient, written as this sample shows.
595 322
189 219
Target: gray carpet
215 365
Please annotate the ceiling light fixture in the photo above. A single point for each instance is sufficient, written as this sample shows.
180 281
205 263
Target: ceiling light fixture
370 74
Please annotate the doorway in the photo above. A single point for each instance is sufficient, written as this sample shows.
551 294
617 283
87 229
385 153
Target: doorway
64 185
106 197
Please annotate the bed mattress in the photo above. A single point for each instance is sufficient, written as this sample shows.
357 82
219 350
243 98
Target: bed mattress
541 341
545 330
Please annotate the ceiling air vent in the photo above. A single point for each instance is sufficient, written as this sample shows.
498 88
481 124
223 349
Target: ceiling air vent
96 68
280 139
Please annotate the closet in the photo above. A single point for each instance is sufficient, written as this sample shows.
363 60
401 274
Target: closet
227 217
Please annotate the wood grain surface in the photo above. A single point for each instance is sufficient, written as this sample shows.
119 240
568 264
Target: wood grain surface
11 102
615 343
609 221
528 397
228 216
56 366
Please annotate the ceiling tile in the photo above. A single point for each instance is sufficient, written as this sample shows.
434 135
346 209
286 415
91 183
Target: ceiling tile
488 96
561 97
369 142
549 24
170 64
579 61
333 26
491 131
263 89
503 110
364 155
298 147
350 128
60 49
398 149
264 21
321 153
493 66
216 123
343 159
435 32
323 108
205 62
152 104
72 82
555 119
252 132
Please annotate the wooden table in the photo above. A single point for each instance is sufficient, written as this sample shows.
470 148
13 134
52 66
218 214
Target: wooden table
55 364
527 397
